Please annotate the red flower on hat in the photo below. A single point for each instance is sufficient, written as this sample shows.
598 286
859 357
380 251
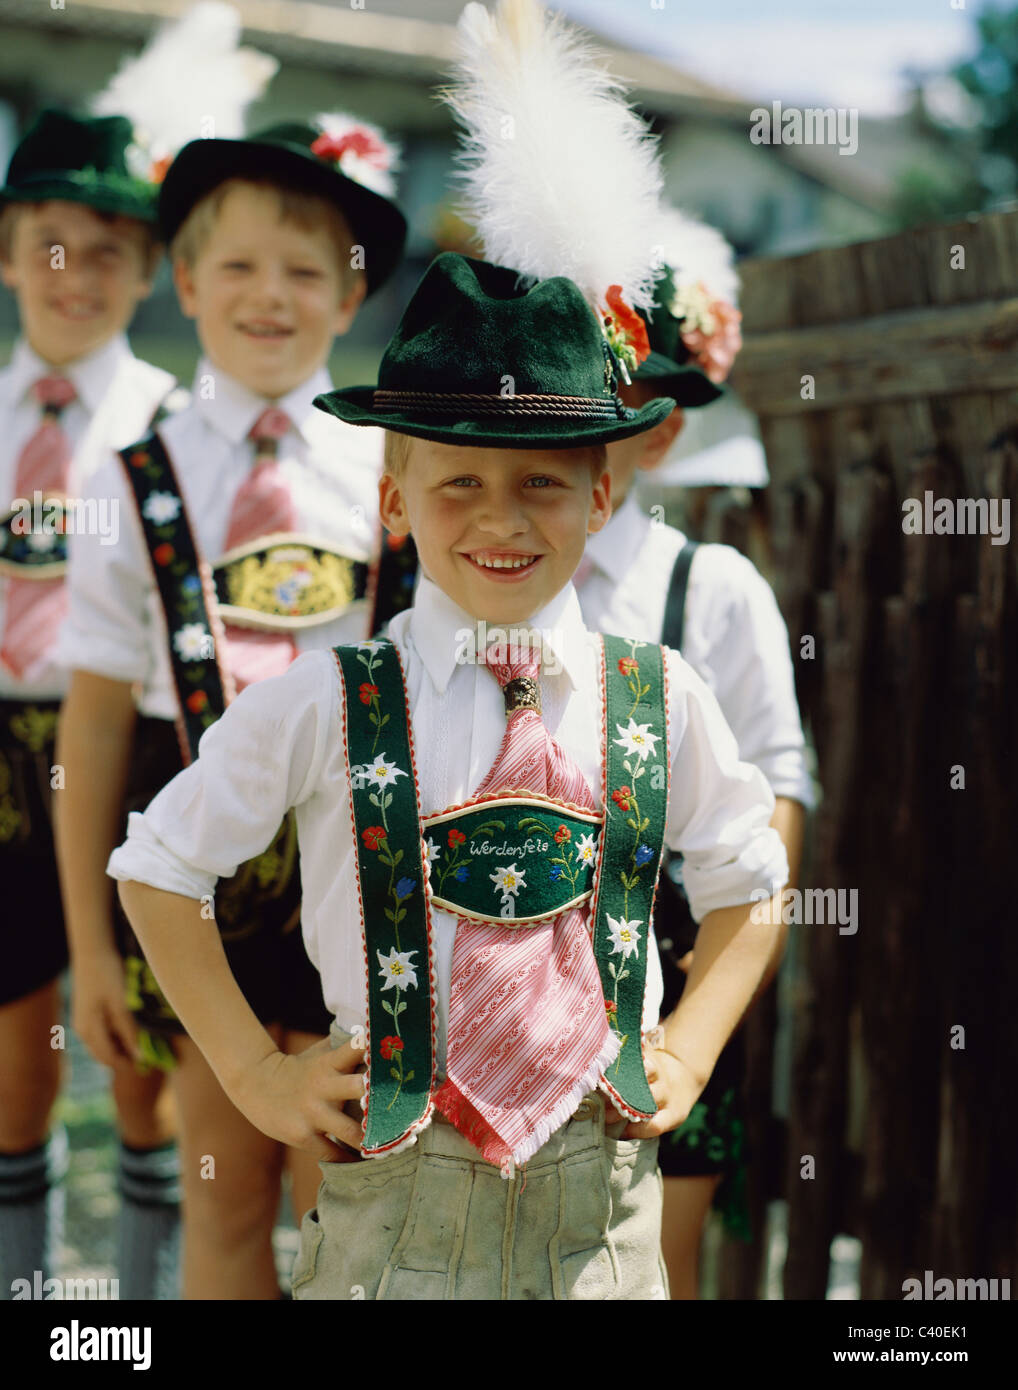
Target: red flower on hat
367 692
456 837
163 554
628 665
157 172
622 797
357 141
390 1045
374 835
628 323
197 701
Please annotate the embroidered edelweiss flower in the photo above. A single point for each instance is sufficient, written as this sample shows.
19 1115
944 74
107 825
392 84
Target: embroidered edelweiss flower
586 852
161 507
370 646
509 880
382 772
637 738
192 641
398 971
431 850
624 936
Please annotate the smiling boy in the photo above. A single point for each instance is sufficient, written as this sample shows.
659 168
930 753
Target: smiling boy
249 527
78 250
503 1005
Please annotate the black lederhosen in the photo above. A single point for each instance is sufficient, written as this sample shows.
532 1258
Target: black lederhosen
257 912
34 937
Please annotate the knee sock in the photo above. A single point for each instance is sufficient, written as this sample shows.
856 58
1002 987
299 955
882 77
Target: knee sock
31 1212
148 1254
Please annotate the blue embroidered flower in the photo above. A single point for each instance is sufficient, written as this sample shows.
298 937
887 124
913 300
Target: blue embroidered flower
191 584
462 873
643 853
404 887
556 872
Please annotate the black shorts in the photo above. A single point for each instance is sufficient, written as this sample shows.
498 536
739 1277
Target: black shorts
34 939
257 911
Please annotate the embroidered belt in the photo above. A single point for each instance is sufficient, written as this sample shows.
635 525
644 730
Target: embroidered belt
30 554
515 843
286 582
493 849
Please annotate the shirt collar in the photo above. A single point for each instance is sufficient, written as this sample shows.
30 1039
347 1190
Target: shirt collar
91 376
234 408
445 635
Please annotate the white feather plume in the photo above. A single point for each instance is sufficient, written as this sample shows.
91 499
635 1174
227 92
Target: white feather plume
561 176
191 80
696 254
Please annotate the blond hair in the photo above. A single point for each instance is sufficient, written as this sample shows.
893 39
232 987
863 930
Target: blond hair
397 455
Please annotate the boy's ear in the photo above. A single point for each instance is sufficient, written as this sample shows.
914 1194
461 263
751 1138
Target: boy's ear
352 300
659 440
601 503
392 509
183 283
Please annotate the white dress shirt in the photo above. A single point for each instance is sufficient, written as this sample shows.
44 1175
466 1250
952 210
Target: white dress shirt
734 637
280 745
118 395
116 626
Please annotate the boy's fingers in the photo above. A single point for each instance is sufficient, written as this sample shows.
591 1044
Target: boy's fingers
346 1057
341 1127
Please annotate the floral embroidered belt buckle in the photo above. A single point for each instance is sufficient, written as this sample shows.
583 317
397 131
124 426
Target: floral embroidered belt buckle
286 582
34 551
511 860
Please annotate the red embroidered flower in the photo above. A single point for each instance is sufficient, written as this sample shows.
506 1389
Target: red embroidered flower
562 834
157 171
139 458
390 1045
611 1008
163 554
628 322
456 837
358 141
197 701
374 835
366 692
622 797
628 665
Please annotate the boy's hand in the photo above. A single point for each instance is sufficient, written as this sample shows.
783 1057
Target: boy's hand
99 1012
299 1100
672 1085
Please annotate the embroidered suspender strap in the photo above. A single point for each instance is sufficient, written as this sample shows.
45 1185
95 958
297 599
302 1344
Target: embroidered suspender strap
184 583
675 604
636 719
396 923
391 588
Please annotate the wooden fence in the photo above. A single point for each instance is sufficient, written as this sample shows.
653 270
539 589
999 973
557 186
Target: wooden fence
881 372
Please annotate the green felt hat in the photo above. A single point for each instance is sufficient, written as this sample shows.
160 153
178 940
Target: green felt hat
79 159
668 368
479 359
287 154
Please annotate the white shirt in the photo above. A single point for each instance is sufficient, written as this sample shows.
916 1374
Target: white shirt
280 745
734 637
117 396
116 626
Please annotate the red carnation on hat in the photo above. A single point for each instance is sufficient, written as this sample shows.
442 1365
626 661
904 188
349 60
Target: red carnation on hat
358 141
628 324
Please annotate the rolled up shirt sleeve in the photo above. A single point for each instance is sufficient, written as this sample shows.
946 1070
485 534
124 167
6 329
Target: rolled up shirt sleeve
263 756
719 807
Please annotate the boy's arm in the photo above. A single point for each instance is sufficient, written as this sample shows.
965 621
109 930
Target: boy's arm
295 1099
94 743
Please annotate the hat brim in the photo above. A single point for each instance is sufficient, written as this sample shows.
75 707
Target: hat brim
91 190
686 385
354 405
377 224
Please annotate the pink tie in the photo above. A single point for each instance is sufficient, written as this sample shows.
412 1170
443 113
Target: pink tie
35 608
262 507
528 1033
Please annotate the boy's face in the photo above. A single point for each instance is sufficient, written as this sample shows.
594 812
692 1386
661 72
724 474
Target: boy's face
77 276
641 451
475 511
267 295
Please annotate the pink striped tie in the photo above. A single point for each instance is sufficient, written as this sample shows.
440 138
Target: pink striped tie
35 608
263 506
528 1034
